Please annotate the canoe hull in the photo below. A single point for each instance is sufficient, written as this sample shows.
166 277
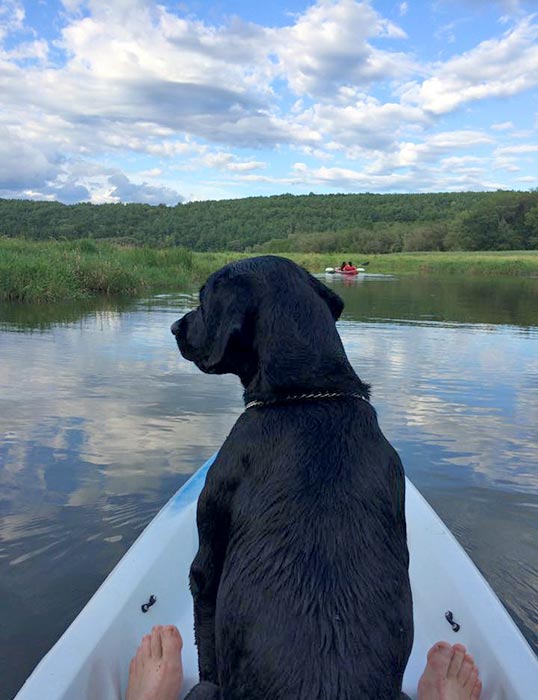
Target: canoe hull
91 659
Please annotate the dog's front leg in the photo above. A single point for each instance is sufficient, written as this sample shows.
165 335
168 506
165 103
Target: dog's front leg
206 569
204 585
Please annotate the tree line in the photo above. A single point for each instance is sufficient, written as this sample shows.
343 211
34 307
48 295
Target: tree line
369 223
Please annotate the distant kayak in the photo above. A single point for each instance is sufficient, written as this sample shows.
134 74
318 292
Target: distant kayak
338 271
351 271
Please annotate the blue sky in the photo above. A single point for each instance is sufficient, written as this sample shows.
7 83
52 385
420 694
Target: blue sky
135 100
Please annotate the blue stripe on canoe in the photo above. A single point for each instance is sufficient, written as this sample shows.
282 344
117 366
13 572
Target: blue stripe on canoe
190 490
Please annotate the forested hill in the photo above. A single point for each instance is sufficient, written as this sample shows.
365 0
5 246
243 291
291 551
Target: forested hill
369 223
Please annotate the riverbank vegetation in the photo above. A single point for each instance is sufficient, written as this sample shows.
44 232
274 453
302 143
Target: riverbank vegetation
62 270
33 271
370 223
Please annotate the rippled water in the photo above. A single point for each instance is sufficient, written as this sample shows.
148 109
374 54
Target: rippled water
101 421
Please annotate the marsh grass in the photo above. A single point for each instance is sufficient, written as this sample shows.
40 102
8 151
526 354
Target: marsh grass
68 270
490 263
52 271
63 270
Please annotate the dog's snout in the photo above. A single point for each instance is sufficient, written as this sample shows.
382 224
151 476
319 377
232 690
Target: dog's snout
175 327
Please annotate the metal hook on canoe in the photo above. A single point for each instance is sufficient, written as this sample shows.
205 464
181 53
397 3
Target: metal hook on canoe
152 600
450 619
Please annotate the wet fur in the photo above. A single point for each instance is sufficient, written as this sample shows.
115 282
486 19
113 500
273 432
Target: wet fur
300 584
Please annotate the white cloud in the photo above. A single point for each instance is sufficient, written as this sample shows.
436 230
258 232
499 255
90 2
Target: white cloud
328 47
228 161
470 166
37 50
23 164
73 6
510 7
495 68
11 17
365 124
123 190
517 150
246 166
152 172
141 79
138 64
430 164
503 126
409 154
142 42
137 79
168 148
418 179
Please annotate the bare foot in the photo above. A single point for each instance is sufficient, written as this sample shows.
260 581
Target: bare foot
156 672
450 674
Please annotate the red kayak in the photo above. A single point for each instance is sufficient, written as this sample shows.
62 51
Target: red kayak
353 271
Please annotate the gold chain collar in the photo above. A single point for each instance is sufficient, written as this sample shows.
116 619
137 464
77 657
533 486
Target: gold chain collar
300 397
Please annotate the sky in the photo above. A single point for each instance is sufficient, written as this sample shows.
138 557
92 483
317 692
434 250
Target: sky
170 102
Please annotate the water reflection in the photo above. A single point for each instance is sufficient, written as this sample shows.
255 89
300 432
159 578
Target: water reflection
467 300
460 389
102 421
39 317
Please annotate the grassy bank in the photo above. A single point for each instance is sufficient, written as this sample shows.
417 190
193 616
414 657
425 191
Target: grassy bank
53 271
510 263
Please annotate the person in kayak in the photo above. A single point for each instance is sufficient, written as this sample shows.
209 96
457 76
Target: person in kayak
349 267
156 671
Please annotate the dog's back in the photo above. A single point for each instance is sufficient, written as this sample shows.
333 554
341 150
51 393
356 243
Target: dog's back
314 598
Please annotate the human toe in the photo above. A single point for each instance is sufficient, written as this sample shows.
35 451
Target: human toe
172 642
144 650
456 662
477 690
439 657
156 643
466 670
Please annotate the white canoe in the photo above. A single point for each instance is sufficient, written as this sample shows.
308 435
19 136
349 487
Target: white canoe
90 661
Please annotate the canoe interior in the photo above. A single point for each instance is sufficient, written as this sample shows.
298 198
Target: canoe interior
91 659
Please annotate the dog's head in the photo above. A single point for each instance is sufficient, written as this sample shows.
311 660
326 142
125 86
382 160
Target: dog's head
270 322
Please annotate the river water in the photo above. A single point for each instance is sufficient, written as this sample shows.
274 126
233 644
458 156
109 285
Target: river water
101 421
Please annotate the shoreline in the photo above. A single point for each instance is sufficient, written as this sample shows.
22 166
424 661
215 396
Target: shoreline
52 271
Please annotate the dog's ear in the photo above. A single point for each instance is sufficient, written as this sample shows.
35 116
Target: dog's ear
333 301
226 315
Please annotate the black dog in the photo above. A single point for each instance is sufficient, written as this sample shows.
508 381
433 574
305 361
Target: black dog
300 584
